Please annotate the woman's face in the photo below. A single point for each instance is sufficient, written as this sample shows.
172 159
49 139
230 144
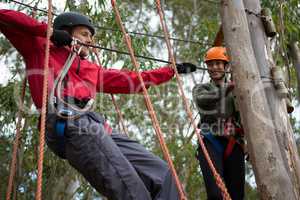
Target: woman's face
83 34
216 69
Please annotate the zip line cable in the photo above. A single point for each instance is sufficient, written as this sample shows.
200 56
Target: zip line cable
136 55
116 30
154 36
115 50
31 7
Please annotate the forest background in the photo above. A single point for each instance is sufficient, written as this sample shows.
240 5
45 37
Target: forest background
192 20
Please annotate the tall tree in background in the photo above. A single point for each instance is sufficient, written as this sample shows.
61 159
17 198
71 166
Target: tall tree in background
265 151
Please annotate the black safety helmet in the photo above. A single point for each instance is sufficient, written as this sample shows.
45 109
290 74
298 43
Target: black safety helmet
71 19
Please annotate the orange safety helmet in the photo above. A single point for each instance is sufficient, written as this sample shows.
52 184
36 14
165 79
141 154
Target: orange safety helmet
216 53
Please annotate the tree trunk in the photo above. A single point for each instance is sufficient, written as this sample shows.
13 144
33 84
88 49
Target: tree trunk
272 178
277 105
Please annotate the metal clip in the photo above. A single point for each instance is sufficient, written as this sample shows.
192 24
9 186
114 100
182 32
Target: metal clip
63 110
75 42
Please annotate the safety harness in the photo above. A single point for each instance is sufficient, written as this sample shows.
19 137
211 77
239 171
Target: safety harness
57 104
61 107
68 108
233 132
232 141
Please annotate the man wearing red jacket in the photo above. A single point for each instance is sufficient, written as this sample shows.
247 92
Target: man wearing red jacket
117 167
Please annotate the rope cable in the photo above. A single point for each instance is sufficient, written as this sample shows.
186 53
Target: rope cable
130 32
121 119
12 171
118 51
13 164
140 56
44 106
218 178
148 103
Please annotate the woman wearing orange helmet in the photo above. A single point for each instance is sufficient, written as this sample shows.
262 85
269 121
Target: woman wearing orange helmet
220 127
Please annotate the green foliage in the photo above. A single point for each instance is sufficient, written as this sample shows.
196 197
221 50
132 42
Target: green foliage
190 20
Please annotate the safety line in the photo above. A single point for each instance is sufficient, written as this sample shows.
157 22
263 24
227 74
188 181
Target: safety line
149 105
13 165
116 30
118 51
218 178
140 56
44 106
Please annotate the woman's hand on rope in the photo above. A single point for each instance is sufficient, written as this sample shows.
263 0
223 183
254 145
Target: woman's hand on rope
61 38
184 68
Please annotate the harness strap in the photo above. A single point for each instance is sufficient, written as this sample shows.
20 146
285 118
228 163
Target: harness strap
61 125
60 128
229 147
229 127
232 141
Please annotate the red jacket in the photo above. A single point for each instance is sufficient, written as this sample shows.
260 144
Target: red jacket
28 36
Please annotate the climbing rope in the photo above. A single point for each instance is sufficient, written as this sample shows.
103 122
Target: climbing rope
148 103
218 179
16 143
203 42
123 52
121 120
38 195
13 164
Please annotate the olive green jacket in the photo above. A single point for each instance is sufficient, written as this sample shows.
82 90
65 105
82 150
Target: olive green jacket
215 107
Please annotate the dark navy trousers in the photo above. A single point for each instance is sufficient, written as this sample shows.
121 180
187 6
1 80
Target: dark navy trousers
116 166
232 170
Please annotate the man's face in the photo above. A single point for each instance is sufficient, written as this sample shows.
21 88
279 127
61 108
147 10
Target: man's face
216 69
84 35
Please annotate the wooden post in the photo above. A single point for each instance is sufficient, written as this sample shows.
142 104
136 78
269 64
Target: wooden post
277 105
272 178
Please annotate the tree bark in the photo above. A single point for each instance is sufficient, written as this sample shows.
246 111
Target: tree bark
271 176
219 37
277 105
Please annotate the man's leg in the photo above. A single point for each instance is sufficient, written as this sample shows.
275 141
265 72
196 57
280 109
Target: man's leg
234 173
96 156
153 171
212 190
